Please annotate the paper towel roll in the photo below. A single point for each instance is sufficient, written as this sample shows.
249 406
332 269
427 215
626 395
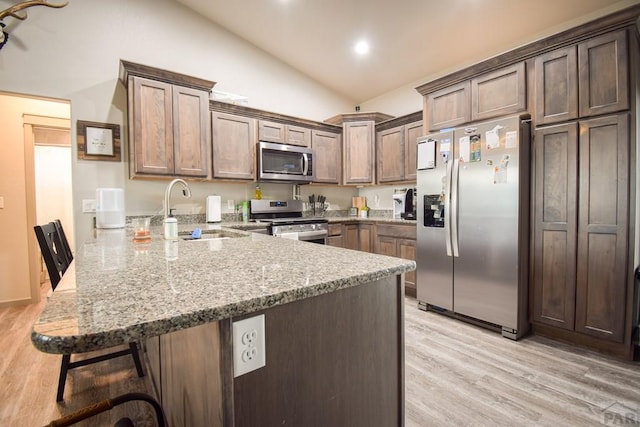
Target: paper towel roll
214 210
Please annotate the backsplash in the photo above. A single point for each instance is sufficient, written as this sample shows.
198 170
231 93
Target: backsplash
156 220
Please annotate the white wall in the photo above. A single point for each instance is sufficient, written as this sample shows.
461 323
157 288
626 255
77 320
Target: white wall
406 100
73 53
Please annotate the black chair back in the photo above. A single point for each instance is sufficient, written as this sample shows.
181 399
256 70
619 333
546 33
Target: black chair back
63 240
53 251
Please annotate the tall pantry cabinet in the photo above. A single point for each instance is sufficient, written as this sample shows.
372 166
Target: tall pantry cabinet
582 287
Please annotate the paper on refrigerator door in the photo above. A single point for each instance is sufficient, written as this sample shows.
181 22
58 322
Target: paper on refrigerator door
493 137
511 139
465 149
427 154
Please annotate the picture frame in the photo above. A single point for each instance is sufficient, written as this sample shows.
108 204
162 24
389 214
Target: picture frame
98 141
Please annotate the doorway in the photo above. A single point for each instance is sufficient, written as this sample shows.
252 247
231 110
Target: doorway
25 119
52 167
50 139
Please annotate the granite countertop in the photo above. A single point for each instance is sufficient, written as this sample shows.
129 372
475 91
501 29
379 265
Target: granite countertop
118 291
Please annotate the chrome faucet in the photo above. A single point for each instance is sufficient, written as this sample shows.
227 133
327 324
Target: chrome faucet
186 192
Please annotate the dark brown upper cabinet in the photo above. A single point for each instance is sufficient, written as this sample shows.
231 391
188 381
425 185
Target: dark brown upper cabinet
283 133
327 151
169 128
498 93
449 107
556 86
603 74
581 81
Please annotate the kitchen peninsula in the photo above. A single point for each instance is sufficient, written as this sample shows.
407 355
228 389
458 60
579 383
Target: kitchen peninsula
333 325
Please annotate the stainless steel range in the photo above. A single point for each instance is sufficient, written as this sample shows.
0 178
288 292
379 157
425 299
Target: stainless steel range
284 219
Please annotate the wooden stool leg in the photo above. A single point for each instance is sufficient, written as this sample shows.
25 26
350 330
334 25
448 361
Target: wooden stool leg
136 358
64 368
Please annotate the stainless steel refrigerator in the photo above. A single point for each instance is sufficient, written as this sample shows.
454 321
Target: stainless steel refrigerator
473 223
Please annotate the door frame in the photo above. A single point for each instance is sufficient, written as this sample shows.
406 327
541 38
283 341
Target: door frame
29 123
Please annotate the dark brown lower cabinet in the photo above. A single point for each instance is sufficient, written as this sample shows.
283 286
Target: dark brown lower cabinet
555 225
399 241
350 236
603 203
582 279
335 359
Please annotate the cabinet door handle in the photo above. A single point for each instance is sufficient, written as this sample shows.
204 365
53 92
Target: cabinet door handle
305 164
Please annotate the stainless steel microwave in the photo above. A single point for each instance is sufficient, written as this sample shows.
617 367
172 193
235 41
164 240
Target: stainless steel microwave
284 163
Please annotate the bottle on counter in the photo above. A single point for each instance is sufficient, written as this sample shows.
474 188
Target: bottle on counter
245 211
258 193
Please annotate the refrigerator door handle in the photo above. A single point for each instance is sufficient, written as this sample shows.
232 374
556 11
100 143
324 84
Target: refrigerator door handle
454 207
447 208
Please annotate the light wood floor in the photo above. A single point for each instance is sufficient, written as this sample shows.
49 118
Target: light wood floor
456 375
29 379
461 375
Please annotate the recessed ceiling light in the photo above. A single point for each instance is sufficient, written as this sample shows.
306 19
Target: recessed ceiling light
362 47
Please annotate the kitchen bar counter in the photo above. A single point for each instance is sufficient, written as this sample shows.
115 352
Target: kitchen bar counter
333 325
120 291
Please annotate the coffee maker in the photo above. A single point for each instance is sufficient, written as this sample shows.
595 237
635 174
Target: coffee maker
404 203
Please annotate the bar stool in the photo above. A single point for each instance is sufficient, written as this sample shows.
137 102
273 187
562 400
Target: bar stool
57 257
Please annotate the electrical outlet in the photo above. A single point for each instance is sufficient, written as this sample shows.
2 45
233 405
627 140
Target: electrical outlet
248 345
231 204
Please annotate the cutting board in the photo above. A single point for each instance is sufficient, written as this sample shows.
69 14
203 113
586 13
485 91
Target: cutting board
358 202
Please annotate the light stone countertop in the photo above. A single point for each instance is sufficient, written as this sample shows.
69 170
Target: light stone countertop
118 291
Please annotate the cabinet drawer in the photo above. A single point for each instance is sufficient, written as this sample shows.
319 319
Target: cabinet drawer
399 231
335 229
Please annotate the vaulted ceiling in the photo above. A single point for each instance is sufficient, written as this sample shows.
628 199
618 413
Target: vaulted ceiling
411 41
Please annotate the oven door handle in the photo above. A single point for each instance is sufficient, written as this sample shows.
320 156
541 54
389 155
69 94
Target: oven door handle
308 235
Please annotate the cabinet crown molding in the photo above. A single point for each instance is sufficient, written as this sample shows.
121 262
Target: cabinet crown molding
356 117
128 68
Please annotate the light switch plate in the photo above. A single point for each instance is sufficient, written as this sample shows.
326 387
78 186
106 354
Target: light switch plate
231 204
88 205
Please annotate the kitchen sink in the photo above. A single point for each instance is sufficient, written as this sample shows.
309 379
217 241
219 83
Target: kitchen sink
210 235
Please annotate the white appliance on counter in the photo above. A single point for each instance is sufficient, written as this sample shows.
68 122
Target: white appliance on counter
110 208
214 209
473 223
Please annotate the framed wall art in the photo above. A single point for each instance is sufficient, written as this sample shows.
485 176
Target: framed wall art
98 141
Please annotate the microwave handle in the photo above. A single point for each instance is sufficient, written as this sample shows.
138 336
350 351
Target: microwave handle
305 164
